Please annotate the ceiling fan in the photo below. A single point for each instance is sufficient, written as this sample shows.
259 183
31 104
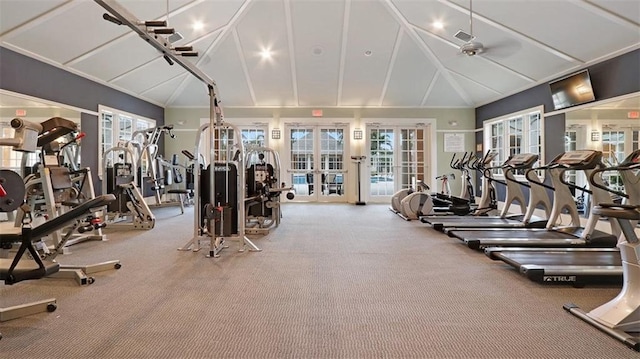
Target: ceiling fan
470 46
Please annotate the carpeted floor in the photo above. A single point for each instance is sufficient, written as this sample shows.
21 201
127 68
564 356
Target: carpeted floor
333 281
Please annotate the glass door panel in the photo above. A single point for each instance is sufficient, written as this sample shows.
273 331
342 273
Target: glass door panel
412 157
332 159
317 162
381 162
397 159
302 163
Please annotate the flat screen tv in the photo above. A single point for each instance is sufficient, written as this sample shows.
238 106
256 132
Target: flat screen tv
572 90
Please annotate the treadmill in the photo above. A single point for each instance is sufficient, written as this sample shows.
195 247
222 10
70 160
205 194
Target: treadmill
523 161
577 266
573 235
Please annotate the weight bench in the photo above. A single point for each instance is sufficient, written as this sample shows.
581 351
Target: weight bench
16 270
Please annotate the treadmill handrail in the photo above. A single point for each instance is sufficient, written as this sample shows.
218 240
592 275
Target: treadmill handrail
493 179
531 180
622 167
512 168
573 185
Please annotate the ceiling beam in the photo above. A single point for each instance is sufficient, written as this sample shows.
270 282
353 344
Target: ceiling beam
432 84
343 49
392 61
292 55
245 69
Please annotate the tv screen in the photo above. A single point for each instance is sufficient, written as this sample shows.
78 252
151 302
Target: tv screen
572 90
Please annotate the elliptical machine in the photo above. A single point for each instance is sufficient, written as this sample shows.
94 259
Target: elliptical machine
465 202
416 204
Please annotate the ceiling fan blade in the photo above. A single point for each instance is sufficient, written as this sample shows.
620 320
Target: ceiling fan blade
503 49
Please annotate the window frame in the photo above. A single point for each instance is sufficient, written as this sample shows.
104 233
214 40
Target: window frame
524 146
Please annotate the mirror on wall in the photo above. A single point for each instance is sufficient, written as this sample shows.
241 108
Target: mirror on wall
612 127
14 105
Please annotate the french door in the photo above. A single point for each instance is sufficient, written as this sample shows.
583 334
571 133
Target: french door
396 159
317 162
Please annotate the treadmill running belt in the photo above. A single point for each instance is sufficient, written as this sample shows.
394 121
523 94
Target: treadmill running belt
515 233
573 258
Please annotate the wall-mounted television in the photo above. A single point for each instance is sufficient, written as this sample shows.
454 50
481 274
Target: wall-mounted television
572 90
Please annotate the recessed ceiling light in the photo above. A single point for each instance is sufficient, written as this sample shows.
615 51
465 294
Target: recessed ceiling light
368 53
266 54
197 25
438 25
317 51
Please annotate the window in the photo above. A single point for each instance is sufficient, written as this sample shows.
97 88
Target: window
571 144
20 161
398 157
252 136
513 134
613 153
117 127
10 159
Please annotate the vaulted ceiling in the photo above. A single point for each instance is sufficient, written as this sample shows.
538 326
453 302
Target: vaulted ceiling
327 53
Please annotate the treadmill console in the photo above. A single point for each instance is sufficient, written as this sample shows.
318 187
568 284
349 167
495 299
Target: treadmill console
489 157
522 160
584 159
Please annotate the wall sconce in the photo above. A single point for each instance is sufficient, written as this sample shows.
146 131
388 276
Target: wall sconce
357 134
595 136
275 134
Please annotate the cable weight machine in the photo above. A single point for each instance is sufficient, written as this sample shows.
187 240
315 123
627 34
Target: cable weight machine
155 33
219 188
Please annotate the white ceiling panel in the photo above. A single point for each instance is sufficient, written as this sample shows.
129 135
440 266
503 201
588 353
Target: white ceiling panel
317 39
442 94
411 76
17 12
69 34
423 15
263 28
626 9
476 91
162 93
149 75
492 73
119 57
154 9
319 47
564 25
193 93
211 14
371 29
224 65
